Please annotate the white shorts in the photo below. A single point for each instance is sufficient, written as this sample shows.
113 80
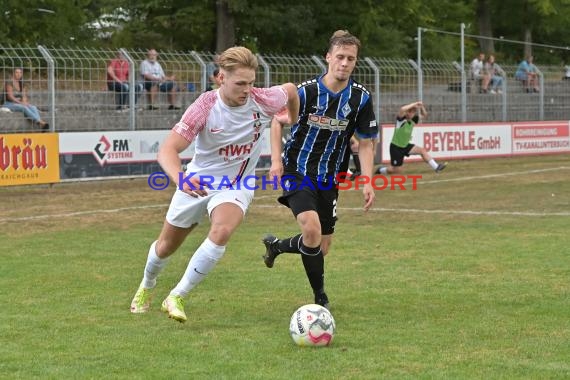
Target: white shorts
186 210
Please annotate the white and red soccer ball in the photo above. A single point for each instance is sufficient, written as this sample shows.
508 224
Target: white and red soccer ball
312 325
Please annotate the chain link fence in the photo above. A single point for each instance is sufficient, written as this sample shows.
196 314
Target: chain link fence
69 86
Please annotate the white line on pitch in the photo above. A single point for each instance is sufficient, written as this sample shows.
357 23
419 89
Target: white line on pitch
457 212
78 213
495 175
464 212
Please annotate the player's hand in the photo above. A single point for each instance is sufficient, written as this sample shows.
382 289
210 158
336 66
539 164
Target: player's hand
276 170
369 196
283 117
196 190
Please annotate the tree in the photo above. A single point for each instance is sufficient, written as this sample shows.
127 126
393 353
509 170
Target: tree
533 21
483 13
225 26
54 22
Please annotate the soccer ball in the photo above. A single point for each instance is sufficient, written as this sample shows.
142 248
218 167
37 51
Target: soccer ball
312 325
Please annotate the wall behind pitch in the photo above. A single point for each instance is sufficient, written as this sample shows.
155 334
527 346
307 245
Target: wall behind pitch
479 140
128 153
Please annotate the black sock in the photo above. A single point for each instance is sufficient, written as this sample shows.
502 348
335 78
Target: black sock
356 160
290 245
315 270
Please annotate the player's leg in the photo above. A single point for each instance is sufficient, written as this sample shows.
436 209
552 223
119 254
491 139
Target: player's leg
311 255
170 238
419 150
396 161
303 203
183 215
314 265
226 214
308 241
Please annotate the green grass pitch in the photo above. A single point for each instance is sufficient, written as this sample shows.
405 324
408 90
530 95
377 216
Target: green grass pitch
466 277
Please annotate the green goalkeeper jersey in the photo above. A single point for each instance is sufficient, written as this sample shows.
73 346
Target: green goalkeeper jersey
403 131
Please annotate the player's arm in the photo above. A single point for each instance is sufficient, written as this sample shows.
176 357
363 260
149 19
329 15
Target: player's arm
275 136
292 102
366 132
288 115
407 107
423 112
169 160
366 154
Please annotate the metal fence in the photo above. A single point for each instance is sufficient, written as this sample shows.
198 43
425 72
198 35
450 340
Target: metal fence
70 88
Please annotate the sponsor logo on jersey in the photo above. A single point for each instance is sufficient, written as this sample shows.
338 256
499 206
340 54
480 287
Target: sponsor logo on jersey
327 122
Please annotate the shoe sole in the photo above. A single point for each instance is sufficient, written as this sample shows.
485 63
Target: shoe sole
268 258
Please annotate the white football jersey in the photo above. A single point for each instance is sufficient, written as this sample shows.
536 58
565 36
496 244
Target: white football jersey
228 139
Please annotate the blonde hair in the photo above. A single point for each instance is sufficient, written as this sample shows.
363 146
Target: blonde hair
237 56
343 37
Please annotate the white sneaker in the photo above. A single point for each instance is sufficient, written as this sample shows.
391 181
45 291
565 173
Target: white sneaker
492 92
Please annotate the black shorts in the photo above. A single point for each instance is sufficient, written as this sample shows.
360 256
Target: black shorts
304 194
397 154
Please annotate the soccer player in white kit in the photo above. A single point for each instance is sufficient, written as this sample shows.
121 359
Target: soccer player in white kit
227 125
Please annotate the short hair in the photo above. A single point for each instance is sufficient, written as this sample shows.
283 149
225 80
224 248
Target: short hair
216 72
237 56
343 37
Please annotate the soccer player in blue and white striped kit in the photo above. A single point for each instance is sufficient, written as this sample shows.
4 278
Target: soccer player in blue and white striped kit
333 108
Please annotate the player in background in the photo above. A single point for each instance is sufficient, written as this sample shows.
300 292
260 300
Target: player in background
333 107
401 147
227 125
355 158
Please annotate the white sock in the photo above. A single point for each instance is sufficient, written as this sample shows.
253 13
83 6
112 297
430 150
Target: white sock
153 267
433 164
202 262
384 170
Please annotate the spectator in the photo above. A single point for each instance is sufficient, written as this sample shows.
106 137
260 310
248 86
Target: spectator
478 72
118 81
16 100
527 73
156 80
215 80
496 75
567 73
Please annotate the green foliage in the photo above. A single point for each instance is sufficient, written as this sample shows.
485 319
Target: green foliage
173 24
386 28
53 22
